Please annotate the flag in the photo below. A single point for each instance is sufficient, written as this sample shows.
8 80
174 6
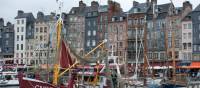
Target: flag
65 57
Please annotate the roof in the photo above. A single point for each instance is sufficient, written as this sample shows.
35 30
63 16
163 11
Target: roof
141 6
197 8
163 10
46 18
78 10
103 8
188 17
28 16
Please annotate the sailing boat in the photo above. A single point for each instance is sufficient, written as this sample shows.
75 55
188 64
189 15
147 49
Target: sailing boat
65 60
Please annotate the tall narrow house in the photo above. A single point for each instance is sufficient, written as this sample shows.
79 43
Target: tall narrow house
24 31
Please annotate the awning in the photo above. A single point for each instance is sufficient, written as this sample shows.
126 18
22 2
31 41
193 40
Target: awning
193 65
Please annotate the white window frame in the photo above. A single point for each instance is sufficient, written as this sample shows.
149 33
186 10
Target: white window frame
89 33
94 32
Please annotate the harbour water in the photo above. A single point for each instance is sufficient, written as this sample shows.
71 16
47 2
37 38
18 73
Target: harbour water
11 87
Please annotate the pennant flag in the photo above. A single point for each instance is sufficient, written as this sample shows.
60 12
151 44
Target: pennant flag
65 58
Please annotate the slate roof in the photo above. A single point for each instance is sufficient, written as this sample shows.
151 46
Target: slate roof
162 11
141 6
28 16
78 11
197 8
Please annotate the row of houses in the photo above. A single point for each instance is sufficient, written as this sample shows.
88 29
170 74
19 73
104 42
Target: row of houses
144 25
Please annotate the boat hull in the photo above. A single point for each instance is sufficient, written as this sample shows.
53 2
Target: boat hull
33 83
171 86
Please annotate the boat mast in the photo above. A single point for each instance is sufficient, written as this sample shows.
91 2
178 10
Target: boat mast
154 32
145 53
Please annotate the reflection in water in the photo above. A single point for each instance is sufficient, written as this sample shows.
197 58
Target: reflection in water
12 87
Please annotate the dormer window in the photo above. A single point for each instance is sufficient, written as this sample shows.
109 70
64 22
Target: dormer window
113 19
135 10
89 14
121 18
73 12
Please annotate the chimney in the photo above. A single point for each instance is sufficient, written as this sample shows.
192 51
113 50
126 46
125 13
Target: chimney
81 4
40 15
147 2
9 24
135 3
187 4
154 1
20 12
1 22
94 4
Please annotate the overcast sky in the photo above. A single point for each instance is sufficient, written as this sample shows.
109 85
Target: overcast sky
8 8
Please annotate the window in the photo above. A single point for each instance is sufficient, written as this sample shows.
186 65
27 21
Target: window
21 46
195 47
31 53
95 13
199 36
136 21
41 38
198 17
36 29
189 45
17 37
184 35
89 33
185 26
129 22
22 38
6 42
93 42
120 44
94 23
45 29
17 29
189 26
101 18
17 55
21 55
89 14
88 43
41 29
22 21
17 46
189 35
18 22
7 35
22 29
89 23
199 26
184 46
141 20
94 32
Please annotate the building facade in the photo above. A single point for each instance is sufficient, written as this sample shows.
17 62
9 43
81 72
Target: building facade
24 30
196 33
136 23
75 27
91 27
117 37
38 49
6 42
186 43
